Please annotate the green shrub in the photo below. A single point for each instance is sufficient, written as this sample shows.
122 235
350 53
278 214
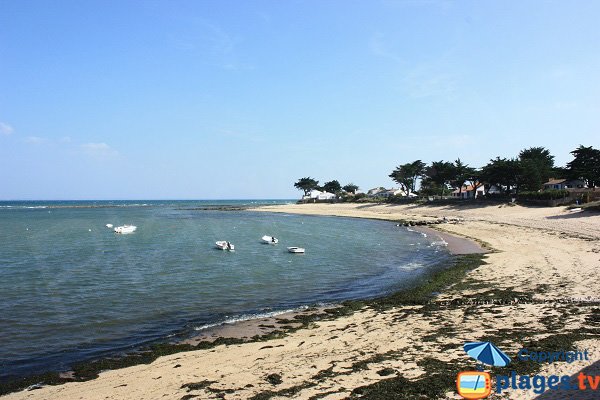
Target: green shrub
544 195
398 199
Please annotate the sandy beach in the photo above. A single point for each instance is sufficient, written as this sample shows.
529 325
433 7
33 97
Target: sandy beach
539 287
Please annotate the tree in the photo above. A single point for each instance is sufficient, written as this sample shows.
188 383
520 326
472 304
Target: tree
431 188
462 173
502 172
307 184
475 178
332 186
585 166
440 173
560 173
406 175
350 188
537 165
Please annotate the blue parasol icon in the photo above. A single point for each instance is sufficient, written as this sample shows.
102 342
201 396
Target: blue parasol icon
487 353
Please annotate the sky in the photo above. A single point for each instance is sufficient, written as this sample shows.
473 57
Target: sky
227 99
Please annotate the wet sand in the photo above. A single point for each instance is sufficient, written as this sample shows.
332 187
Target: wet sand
457 245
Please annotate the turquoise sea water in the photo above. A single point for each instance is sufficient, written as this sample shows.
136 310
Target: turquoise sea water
72 290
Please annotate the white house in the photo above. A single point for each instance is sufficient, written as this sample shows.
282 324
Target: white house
564 184
375 192
468 192
319 195
494 190
400 192
385 193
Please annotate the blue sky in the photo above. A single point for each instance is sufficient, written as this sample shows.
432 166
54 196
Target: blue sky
239 99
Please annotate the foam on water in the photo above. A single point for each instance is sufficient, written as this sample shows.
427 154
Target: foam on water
248 317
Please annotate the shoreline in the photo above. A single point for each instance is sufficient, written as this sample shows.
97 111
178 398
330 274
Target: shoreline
349 351
259 328
253 329
456 245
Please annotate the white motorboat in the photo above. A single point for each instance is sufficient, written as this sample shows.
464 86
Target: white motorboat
296 250
270 239
109 226
125 229
224 245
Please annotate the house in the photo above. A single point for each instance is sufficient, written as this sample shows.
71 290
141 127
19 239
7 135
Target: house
400 192
468 192
390 193
559 184
319 195
326 196
375 192
386 193
494 190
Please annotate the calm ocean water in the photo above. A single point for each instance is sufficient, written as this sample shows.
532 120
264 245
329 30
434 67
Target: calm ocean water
72 290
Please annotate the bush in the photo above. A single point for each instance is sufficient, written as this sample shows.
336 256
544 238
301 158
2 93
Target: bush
398 199
544 195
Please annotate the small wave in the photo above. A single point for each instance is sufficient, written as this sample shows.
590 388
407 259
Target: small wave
438 243
412 230
247 317
23 207
410 266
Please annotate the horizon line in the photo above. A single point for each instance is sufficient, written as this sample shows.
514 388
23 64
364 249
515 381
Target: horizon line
141 199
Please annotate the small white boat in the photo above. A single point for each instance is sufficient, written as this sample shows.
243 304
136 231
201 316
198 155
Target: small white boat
296 249
224 245
270 239
125 229
109 226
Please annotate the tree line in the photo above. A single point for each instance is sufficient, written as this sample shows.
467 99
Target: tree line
528 171
532 168
309 184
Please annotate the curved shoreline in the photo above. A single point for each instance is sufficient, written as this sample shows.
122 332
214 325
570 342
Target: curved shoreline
257 328
545 257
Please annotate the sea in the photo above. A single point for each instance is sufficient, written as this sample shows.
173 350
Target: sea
72 290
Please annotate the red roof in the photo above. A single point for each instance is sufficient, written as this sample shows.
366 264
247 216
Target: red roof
555 181
467 188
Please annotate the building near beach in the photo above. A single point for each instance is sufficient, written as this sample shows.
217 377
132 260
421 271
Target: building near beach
386 193
469 192
319 195
560 184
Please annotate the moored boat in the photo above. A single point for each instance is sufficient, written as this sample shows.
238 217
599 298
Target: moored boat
298 250
270 239
224 245
125 229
